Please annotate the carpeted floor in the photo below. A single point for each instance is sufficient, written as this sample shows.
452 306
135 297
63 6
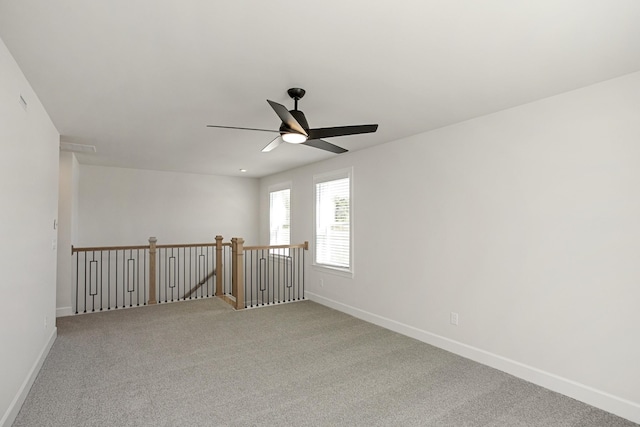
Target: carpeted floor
199 363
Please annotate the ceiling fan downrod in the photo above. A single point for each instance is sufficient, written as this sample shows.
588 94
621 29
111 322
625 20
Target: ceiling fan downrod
296 93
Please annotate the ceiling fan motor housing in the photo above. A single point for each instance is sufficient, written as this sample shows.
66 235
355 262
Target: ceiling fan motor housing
299 116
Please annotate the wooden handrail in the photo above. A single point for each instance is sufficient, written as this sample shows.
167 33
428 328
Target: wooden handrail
304 246
190 245
106 248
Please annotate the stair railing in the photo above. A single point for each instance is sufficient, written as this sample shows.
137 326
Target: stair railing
113 277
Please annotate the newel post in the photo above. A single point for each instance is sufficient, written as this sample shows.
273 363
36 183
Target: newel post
152 270
219 266
237 275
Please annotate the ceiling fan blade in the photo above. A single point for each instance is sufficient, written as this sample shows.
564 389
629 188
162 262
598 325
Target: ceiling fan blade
273 144
287 118
324 145
341 131
233 127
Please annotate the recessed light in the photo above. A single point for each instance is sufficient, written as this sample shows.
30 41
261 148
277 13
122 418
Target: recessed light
243 170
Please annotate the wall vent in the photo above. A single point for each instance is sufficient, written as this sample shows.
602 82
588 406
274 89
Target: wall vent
23 102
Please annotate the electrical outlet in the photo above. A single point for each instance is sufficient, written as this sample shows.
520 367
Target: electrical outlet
454 318
322 283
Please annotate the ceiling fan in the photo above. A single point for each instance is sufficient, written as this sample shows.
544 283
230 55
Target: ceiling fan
295 128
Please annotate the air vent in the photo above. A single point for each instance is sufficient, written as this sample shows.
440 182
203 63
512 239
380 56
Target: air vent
77 148
23 102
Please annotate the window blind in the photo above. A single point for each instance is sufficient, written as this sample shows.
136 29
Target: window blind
333 235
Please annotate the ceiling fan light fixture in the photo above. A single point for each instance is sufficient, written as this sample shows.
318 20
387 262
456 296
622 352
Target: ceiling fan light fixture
294 138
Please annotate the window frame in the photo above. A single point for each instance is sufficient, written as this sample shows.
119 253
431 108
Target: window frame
279 253
326 177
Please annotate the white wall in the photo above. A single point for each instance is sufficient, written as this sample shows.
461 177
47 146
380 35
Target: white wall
120 206
67 230
28 207
525 222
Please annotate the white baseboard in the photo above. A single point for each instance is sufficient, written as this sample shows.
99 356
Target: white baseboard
64 311
12 412
602 400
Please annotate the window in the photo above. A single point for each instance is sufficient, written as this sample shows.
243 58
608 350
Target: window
333 220
279 219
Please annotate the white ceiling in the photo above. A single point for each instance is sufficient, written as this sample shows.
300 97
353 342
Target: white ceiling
141 79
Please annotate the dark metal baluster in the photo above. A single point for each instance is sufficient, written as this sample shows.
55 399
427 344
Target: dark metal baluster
249 274
295 274
172 274
263 279
217 269
273 271
101 287
91 278
144 276
77 272
124 281
190 271
255 271
178 272
85 282
172 283
303 267
253 266
206 251
129 274
108 280
198 272
264 276
202 265
184 274
137 276
115 285
269 282
288 265
287 273
276 272
211 274
125 268
260 271
246 284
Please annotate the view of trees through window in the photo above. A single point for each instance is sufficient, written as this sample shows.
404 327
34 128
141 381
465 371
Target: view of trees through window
280 218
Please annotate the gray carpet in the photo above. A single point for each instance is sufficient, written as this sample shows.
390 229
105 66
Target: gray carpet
199 363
